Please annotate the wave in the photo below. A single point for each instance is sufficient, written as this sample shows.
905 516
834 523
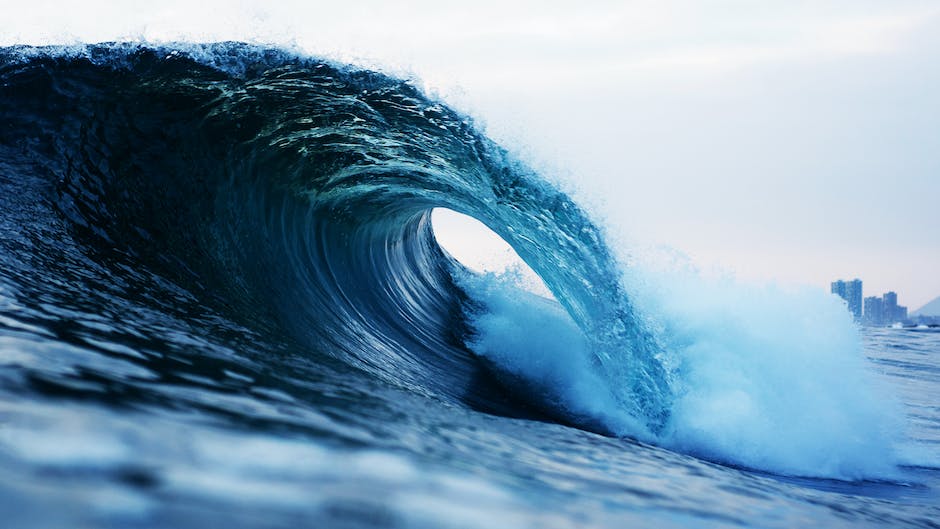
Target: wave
294 196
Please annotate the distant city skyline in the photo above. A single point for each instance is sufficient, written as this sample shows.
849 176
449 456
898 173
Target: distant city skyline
871 310
885 287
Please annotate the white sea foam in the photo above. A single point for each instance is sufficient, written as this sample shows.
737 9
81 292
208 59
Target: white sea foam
763 377
533 339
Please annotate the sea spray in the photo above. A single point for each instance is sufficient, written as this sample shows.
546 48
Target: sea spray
772 379
533 344
764 377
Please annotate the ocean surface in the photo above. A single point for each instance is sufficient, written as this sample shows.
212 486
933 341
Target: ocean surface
222 304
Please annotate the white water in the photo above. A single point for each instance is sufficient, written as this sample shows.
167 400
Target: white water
764 378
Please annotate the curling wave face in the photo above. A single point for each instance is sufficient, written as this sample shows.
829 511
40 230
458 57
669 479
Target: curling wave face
295 195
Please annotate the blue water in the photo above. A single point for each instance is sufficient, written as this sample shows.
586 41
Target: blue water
222 303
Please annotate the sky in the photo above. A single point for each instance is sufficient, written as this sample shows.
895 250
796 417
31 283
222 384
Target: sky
788 141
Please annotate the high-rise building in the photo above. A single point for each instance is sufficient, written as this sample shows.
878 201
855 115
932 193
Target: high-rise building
874 311
851 292
853 296
838 288
890 303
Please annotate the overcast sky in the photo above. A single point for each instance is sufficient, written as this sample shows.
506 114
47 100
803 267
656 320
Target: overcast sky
782 140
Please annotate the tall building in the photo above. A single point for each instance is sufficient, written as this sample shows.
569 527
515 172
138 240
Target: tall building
851 292
874 311
853 296
890 303
838 288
